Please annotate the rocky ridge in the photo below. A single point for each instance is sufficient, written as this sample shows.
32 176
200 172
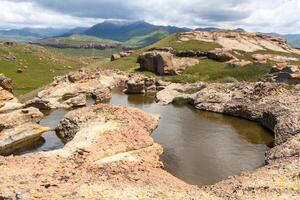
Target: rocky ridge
243 41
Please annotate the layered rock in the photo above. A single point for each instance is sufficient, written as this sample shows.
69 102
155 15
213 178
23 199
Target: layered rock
285 73
110 156
64 91
164 63
18 125
221 55
140 84
263 58
243 41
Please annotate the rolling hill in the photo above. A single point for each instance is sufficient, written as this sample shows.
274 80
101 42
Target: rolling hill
31 67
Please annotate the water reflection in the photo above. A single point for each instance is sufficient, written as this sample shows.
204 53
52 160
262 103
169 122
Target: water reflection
203 147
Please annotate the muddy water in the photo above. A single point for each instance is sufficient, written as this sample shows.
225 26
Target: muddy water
199 147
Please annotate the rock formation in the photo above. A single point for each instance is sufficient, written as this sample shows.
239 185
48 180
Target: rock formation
263 58
284 73
117 56
164 63
6 83
79 85
141 84
243 41
18 125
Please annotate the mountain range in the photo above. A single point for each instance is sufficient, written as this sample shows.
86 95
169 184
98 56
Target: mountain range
137 33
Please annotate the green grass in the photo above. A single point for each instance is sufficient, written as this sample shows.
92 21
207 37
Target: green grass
146 39
90 53
207 70
211 71
42 65
76 39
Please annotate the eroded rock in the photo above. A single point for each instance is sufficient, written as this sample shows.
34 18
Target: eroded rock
284 73
242 41
85 82
164 63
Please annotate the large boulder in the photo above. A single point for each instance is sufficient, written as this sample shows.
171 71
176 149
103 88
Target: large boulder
157 62
221 55
163 63
139 84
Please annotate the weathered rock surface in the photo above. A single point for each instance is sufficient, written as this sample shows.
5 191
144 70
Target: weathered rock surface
6 83
83 82
284 73
164 63
18 125
263 58
243 41
221 55
111 156
140 84
101 94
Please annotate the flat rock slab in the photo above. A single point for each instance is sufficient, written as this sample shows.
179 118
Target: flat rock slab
19 136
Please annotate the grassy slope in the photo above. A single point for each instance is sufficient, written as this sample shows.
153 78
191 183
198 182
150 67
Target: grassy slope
207 70
76 39
43 64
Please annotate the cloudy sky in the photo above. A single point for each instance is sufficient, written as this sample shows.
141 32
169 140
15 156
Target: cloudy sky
281 16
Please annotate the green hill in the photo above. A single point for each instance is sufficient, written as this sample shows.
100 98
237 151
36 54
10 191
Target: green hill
38 65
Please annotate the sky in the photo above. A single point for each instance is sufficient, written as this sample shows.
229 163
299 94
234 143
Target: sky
281 16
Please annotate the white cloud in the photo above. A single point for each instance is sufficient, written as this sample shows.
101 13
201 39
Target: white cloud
28 14
255 15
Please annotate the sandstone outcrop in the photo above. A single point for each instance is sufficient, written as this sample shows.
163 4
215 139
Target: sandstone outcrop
117 56
76 85
110 156
6 83
164 63
18 125
284 73
263 58
221 55
243 41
